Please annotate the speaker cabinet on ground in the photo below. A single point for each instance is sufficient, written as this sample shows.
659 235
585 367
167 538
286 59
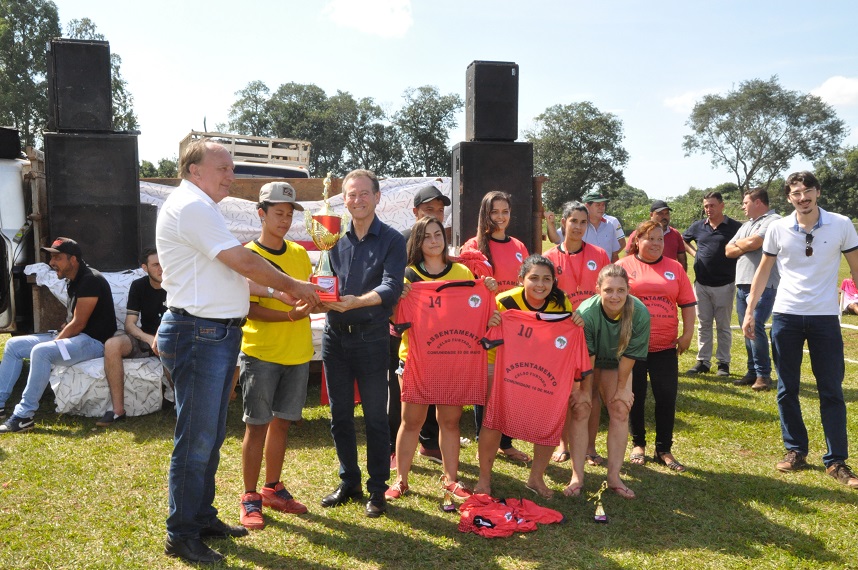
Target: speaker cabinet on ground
79 93
93 194
491 107
481 167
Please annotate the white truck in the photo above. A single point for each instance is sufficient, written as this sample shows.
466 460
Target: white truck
261 157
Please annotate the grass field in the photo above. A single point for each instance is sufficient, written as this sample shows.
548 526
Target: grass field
74 496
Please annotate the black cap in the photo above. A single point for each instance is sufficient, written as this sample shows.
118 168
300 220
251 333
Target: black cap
659 205
64 245
427 194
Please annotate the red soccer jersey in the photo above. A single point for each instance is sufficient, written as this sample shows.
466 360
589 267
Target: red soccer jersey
445 362
507 257
539 359
662 286
577 272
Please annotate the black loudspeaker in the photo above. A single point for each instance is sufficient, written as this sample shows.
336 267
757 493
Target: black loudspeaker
491 107
148 219
93 194
481 167
10 143
79 86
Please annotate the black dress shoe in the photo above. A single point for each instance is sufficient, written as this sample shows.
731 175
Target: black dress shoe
376 506
746 380
342 495
191 550
219 529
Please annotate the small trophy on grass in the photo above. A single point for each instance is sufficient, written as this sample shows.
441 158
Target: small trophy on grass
325 229
600 516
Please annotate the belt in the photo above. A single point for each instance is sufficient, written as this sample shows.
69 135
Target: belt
354 327
236 322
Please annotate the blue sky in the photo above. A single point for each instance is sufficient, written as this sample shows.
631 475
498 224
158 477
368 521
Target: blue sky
646 62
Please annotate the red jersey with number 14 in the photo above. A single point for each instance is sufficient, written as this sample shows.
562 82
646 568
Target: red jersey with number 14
446 363
540 357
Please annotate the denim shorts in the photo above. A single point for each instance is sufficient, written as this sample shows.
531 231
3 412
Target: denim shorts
272 390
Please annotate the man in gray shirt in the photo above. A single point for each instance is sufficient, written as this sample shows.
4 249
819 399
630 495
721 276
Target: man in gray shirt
746 248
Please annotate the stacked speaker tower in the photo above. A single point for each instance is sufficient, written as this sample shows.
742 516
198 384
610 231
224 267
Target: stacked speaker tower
490 159
92 172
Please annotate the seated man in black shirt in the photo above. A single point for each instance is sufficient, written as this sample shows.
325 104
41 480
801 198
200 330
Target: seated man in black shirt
146 300
89 324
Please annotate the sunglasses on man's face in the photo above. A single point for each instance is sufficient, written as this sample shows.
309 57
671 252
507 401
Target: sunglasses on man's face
808 245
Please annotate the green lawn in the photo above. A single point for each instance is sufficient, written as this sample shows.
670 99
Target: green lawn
74 496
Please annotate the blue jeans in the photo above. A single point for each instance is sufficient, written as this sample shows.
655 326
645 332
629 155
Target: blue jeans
759 362
201 356
825 344
363 356
43 352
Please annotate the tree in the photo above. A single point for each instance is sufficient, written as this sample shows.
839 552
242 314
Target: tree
755 131
424 124
838 176
580 149
372 142
26 26
124 118
249 115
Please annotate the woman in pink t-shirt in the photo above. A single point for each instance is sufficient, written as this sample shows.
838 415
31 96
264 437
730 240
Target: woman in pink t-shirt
663 286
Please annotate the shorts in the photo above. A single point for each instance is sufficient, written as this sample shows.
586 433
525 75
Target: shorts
139 348
272 390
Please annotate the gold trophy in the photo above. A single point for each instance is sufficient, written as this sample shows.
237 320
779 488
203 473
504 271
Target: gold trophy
600 516
325 229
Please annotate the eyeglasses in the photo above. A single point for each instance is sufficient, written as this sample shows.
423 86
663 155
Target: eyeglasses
798 194
808 247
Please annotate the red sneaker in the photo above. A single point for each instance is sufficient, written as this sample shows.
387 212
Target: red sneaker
251 512
279 499
396 491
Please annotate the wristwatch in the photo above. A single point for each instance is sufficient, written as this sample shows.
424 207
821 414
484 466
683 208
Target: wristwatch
270 292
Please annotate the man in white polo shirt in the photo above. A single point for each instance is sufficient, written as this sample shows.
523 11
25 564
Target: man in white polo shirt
806 247
207 294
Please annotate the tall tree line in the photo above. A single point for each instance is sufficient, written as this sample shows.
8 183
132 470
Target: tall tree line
350 133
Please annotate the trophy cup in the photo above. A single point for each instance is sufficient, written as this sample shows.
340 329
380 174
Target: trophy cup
325 229
600 516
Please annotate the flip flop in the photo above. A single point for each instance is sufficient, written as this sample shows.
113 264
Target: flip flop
595 459
516 454
571 491
560 456
535 491
623 491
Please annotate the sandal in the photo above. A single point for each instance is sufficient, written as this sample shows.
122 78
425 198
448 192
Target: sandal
572 491
623 491
560 456
637 457
547 494
595 459
516 454
673 464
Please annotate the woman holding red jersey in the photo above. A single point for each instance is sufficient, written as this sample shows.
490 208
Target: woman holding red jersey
427 261
662 284
505 254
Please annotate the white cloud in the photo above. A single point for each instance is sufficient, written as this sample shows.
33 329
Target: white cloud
838 90
384 18
684 103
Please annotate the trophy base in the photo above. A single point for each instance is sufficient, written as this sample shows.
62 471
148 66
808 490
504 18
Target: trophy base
330 284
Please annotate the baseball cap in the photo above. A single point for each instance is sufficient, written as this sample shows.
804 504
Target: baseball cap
280 193
64 245
659 205
427 194
594 196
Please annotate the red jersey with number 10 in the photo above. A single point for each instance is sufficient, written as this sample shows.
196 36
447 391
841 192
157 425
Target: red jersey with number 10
445 363
540 357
